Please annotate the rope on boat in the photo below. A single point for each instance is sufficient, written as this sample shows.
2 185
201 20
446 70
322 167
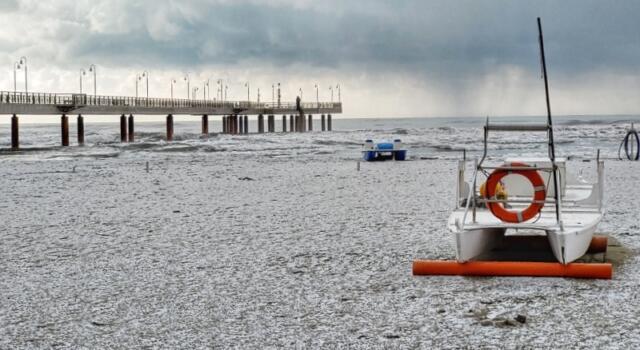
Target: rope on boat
628 143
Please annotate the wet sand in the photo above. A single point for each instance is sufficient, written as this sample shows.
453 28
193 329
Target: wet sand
228 249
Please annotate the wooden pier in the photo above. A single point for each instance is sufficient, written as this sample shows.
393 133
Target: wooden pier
234 114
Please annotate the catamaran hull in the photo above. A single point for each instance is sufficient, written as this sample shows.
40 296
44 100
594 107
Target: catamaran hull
570 246
566 246
472 243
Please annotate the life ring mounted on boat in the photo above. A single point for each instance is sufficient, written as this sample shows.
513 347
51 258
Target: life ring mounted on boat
540 193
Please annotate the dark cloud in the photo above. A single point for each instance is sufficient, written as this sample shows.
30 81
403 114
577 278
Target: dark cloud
436 37
441 50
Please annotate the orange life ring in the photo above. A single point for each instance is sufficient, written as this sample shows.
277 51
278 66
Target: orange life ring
540 194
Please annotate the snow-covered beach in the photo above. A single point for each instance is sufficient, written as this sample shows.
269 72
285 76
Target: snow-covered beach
265 241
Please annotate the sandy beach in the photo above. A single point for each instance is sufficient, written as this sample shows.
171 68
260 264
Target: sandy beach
275 247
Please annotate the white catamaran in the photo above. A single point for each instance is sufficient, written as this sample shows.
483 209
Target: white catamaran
526 194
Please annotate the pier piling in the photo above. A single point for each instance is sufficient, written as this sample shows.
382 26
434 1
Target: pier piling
246 125
322 122
284 123
271 123
131 131
291 123
15 142
123 128
205 125
169 127
64 126
241 125
310 122
80 126
328 122
261 124
235 124
224 124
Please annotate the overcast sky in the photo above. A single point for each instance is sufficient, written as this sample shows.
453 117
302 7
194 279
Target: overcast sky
391 58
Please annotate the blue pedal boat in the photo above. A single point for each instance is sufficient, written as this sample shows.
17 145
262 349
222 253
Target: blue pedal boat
383 150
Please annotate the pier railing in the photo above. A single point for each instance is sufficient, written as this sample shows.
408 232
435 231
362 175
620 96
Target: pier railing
86 100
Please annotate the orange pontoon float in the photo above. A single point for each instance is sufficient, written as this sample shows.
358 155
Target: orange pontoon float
512 268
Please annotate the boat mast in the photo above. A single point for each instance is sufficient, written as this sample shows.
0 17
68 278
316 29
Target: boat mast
552 151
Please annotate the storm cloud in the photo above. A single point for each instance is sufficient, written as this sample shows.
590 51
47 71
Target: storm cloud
391 58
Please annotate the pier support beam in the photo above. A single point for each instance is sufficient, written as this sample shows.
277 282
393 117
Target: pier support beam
80 126
241 125
131 131
205 125
224 124
15 137
272 123
169 128
64 126
310 122
123 128
246 125
261 124
329 122
291 123
234 125
284 123
322 122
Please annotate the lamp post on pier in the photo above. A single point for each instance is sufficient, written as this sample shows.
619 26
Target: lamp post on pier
23 63
82 73
220 89
300 94
279 96
92 69
16 66
339 98
173 81
138 78
331 89
188 80
145 75
195 91
248 93
258 96
317 97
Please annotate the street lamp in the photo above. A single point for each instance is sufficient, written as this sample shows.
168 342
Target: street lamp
23 63
339 98
82 72
138 78
248 96
279 95
206 94
317 96
145 75
226 87
258 95
273 93
16 66
331 89
188 80
92 68
300 94
195 91
173 81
